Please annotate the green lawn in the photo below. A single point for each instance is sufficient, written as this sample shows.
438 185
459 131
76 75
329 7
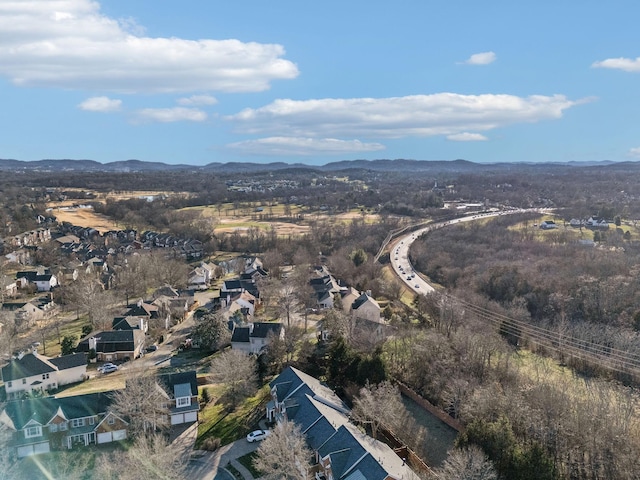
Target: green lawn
217 422
247 462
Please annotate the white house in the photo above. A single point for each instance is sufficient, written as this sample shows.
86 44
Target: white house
253 338
36 372
366 308
44 283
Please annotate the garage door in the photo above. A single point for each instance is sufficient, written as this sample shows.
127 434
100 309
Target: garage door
26 450
114 436
41 448
177 418
191 417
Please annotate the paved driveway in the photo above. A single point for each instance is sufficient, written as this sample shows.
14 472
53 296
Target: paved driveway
209 465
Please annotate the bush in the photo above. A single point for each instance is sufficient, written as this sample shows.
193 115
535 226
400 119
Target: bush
211 444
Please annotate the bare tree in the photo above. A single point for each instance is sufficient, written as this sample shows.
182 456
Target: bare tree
237 371
379 405
142 403
284 454
148 457
467 464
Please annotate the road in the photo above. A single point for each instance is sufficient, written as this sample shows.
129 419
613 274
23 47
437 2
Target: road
399 254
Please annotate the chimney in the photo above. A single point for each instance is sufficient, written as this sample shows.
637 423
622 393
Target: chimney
368 292
92 343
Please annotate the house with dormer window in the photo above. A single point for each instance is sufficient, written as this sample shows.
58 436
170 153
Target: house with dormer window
32 372
182 395
341 450
41 425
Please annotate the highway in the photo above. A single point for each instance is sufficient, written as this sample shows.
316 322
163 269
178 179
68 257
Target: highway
399 252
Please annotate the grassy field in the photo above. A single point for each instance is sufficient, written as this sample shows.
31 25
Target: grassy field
217 422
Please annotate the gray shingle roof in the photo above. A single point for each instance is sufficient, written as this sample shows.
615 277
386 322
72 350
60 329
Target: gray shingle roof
69 361
27 366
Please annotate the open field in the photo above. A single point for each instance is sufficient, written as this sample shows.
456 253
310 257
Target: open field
228 218
85 217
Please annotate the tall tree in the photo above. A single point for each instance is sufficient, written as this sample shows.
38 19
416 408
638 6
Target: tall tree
284 454
237 371
211 331
378 405
142 403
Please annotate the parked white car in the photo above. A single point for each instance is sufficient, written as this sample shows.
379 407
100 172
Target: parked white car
258 435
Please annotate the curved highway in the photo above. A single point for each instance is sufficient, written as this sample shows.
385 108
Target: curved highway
399 252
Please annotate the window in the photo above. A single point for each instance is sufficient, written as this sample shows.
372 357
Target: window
91 420
62 426
183 402
24 381
45 376
77 422
9 384
53 427
111 420
33 432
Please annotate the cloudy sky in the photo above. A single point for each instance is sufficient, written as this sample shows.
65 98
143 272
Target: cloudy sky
200 81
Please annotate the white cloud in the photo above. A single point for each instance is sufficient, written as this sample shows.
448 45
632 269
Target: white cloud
396 117
634 152
303 146
168 115
197 101
626 64
71 44
467 137
100 104
484 58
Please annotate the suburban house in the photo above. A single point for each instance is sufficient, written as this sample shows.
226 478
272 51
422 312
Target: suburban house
32 372
244 302
9 286
342 452
27 313
46 282
254 337
201 276
114 345
130 323
349 296
548 225
40 425
325 287
365 307
43 282
182 395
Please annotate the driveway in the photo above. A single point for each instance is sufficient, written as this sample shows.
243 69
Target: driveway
209 465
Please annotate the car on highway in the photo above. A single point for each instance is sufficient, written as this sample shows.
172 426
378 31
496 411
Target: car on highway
257 435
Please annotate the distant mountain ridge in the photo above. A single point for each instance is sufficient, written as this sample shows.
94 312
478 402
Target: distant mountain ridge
381 165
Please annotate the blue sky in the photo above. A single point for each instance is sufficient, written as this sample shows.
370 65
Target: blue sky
200 81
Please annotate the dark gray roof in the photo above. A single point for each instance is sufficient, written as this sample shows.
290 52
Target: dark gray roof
262 329
358 302
170 380
69 361
113 341
240 334
27 366
43 409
